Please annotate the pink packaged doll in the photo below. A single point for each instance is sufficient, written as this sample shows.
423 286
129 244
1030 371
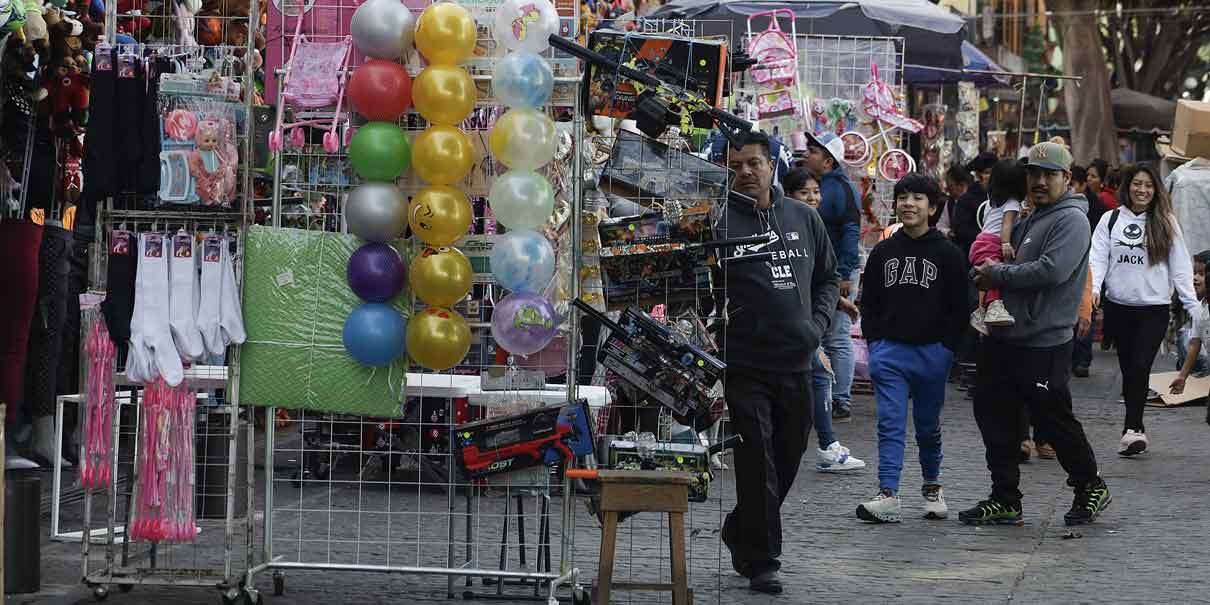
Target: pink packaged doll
212 164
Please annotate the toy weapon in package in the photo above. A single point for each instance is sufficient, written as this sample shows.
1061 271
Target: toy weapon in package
544 436
657 98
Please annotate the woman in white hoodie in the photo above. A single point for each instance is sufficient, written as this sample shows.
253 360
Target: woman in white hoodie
1138 258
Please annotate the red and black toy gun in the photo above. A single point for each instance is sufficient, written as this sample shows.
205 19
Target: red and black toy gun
543 436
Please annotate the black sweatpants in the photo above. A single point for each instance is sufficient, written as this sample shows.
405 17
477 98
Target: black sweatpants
1010 376
772 411
1137 334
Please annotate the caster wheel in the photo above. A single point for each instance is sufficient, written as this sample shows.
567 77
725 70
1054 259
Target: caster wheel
279 584
125 587
230 596
251 597
579 596
331 142
100 593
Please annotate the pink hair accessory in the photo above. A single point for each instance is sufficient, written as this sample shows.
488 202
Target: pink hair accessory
180 124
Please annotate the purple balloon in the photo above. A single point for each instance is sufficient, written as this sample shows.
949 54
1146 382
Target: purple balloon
523 323
376 273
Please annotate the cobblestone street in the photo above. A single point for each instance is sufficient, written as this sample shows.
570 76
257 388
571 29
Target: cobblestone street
1148 547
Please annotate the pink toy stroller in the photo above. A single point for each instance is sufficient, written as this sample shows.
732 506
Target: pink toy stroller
315 78
776 72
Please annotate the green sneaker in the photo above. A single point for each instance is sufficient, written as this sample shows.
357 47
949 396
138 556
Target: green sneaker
1090 501
992 512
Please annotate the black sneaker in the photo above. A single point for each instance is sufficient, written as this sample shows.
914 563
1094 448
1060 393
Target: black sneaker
1080 371
740 566
766 582
1090 501
840 413
993 512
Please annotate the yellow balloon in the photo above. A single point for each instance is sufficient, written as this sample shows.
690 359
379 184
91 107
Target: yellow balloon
442 155
440 215
441 276
444 94
438 338
446 34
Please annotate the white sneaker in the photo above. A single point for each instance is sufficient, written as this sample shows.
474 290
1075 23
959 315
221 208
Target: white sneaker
977 321
884 508
836 459
1133 442
997 316
934 502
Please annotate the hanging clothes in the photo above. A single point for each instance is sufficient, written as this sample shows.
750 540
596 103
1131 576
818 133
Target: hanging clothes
20 242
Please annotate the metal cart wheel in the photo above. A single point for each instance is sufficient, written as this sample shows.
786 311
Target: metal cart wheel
251 596
100 593
579 596
279 583
125 587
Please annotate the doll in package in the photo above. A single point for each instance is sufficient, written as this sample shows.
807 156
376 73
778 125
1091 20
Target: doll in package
199 158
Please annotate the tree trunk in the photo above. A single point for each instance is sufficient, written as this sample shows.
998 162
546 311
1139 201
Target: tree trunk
1089 112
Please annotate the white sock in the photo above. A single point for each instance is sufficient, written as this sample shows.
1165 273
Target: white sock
137 356
182 271
232 316
209 309
153 289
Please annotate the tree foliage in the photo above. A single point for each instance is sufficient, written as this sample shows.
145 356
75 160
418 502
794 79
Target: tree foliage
1155 49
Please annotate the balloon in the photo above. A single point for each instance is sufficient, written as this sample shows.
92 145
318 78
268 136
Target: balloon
523 323
446 34
380 90
382 28
376 212
521 199
522 261
438 338
445 94
442 155
374 334
523 79
375 272
526 24
523 138
440 215
441 276
379 151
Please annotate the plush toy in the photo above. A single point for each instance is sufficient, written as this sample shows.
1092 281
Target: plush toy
134 24
66 96
183 22
212 164
12 16
35 24
233 13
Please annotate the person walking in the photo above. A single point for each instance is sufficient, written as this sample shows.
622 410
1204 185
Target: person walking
841 214
1139 257
776 312
1029 362
914 308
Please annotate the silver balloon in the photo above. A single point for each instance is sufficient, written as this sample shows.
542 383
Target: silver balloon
383 29
377 212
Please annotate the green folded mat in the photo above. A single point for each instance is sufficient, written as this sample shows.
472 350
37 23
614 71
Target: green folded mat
296 299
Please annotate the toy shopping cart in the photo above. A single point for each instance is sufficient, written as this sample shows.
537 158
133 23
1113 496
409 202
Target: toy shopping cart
315 76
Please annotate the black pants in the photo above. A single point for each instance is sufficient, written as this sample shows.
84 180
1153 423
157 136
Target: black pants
50 317
772 411
1010 376
1137 334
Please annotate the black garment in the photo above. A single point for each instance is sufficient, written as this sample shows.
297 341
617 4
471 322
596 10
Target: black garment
1010 376
127 135
118 306
1081 354
77 284
149 131
780 308
965 218
1095 208
1137 334
46 330
915 291
772 411
100 154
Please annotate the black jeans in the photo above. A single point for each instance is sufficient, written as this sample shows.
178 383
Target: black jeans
772 411
1010 376
1137 334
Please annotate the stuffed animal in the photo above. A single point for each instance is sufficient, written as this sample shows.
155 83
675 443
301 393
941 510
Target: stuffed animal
212 164
134 24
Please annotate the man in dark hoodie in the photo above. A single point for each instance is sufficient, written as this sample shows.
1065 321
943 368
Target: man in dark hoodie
914 308
965 217
776 310
840 213
1029 362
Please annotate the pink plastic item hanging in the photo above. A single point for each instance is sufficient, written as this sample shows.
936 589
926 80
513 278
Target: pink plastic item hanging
98 421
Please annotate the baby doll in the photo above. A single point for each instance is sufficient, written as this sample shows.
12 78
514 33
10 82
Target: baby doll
212 164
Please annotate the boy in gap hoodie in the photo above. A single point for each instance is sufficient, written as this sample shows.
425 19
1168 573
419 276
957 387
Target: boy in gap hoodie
777 308
914 306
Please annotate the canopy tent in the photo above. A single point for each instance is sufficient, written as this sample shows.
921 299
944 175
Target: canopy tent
932 36
974 62
1136 111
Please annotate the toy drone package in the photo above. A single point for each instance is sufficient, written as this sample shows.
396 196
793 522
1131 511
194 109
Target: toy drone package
651 173
544 436
656 257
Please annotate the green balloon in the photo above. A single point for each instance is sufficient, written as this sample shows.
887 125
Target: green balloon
380 152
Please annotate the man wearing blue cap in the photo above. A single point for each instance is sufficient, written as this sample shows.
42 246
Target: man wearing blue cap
840 213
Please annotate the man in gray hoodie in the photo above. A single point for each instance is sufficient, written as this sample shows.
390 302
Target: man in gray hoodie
1030 362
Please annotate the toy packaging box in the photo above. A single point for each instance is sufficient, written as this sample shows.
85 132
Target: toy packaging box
650 173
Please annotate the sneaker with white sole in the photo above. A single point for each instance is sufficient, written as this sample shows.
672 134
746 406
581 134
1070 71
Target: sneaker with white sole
997 316
934 502
977 321
1133 442
836 459
884 508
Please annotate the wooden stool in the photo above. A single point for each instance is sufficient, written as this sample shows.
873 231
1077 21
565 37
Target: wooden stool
644 491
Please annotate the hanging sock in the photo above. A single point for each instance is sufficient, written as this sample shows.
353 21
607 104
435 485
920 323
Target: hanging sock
183 298
209 312
138 358
232 316
153 298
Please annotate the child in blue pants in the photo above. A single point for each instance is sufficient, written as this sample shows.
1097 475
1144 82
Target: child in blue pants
914 307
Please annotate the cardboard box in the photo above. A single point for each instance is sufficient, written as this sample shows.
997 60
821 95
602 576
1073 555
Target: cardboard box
1191 129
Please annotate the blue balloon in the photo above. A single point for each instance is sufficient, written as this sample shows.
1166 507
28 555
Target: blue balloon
374 334
523 261
523 79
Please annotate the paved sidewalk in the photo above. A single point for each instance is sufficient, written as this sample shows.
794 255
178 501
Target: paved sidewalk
1150 546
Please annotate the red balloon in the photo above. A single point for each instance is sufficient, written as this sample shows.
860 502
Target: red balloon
380 90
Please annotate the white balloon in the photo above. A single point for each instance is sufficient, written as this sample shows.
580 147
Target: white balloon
526 24
521 199
383 29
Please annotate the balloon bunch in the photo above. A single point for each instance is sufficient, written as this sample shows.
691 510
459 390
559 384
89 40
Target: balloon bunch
523 139
438 338
381 91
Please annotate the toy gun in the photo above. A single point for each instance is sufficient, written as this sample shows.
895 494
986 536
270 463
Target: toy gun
657 98
543 436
